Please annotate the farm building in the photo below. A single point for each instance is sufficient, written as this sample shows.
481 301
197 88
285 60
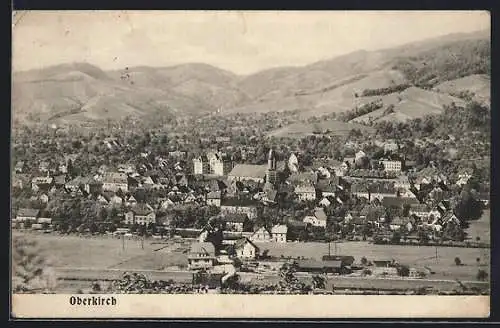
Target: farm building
345 259
321 266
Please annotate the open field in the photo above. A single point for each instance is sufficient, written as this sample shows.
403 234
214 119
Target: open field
108 252
300 130
414 256
80 260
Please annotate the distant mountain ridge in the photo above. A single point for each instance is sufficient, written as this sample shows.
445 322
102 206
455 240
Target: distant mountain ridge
81 91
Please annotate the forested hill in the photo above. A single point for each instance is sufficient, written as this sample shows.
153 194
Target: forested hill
402 77
448 62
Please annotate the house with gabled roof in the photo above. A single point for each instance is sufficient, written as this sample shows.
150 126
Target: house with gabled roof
235 221
102 199
246 249
279 233
131 201
450 217
325 202
140 214
41 183
213 198
166 203
270 196
261 235
189 198
318 219
305 191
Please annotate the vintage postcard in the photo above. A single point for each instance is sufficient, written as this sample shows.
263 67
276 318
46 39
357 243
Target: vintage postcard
250 164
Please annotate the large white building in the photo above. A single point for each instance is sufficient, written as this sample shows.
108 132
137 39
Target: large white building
212 163
391 166
201 165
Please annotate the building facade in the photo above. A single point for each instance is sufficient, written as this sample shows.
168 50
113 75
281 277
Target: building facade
391 166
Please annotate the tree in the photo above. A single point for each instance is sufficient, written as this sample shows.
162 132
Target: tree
288 279
152 227
367 272
364 261
403 270
93 228
319 282
32 273
453 231
216 237
103 214
113 213
396 237
468 207
482 275
237 262
423 236
141 230
458 262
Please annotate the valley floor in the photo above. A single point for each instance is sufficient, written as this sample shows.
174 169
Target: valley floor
78 261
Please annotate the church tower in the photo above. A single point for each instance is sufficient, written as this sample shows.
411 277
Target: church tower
271 173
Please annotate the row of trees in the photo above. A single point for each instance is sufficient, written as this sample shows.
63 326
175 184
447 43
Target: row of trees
447 62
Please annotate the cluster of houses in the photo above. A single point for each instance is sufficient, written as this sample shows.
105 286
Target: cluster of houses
238 190
204 255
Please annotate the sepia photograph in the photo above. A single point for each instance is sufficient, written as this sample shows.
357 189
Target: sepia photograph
242 163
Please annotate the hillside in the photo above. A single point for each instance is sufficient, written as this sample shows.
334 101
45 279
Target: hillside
209 85
332 85
478 84
409 104
330 127
73 92
84 92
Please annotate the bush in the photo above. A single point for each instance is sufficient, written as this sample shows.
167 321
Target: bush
364 261
367 272
403 271
96 287
458 262
482 275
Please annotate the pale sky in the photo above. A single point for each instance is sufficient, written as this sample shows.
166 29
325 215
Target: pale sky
242 42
